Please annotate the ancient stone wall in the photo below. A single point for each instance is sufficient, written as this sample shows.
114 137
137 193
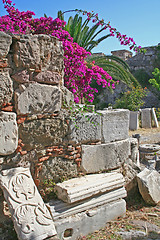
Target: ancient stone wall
145 61
36 129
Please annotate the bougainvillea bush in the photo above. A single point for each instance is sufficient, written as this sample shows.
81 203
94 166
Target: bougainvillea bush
78 74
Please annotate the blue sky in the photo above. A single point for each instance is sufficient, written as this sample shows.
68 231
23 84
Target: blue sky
139 19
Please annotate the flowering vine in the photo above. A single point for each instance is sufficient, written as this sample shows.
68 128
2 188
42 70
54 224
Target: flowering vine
78 73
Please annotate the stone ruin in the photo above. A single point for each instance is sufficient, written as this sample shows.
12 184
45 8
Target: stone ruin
41 142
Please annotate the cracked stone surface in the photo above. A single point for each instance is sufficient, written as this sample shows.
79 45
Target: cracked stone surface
8 133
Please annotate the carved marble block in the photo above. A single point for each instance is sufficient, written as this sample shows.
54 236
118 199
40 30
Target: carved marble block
32 220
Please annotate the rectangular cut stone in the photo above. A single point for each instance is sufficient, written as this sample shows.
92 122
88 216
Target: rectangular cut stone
8 133
77 189
6 88
37 98
31 218
154 118
133 120
79 220
5 42
115 124
102 157
85 128
146 118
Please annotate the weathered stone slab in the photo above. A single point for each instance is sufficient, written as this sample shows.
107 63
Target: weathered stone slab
37 98
146 118
52 78
31 217
149 186
154 118
115 125
43 132
6 88
77 189
134 150
8 133
133 120
38 52
73 223
108 156
5 42
85 128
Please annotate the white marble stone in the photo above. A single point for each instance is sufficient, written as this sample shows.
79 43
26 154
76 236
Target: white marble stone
77 189
149 186
31 218
102 157
8 133
115 124
71 223
35 98
154 118
85 128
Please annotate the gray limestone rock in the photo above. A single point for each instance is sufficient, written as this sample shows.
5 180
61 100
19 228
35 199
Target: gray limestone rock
58 169
85 128
40 52
146 118
133 120
77 189
6 88
43 132
5 42
115 124
102 157
30 216
8 133
52 78
149 186
37 98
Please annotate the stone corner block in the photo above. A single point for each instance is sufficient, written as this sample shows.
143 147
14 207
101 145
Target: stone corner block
8 133
115 124
104 157
37 98
85 128
5 42
149 186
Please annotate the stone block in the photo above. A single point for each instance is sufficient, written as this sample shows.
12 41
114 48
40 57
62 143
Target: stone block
149 152
146 118
154 117
85 128
115 124
43 132
149 186
6 88
52 78
77 189
5 42
30 216
8 133
46 77
37 98
39 52
134 156
102 157
67 97
58 169
79 220
133 120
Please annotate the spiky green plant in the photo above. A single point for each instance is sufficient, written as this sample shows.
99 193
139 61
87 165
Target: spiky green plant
82 34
